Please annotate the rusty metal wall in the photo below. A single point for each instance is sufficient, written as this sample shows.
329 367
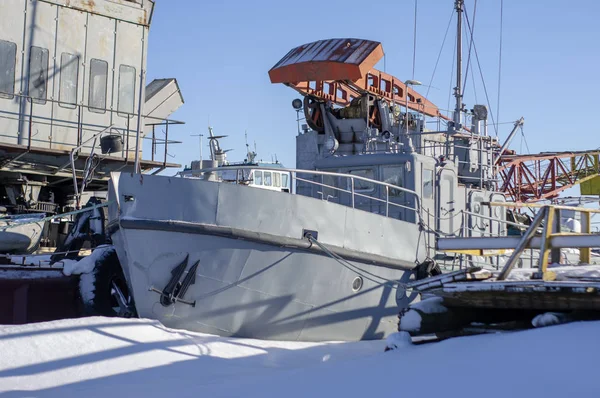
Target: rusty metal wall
112 31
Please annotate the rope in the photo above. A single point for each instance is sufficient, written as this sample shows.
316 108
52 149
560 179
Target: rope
70 213
351 267
439 55
499 63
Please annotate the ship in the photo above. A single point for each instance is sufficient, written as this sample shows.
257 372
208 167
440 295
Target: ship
372 191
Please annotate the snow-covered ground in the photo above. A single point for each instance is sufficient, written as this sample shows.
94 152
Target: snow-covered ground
101 357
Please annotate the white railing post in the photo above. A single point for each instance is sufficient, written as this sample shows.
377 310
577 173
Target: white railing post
387 201
352 190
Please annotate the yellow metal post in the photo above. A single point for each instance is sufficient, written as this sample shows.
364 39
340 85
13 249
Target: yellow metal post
545 249
586 228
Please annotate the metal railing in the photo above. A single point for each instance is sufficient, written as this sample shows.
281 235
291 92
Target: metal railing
119 121
351 179
530 257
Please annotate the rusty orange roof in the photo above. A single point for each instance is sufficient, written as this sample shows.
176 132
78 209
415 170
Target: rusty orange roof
331 59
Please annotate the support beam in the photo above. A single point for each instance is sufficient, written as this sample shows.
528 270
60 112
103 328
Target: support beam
522 244
585 253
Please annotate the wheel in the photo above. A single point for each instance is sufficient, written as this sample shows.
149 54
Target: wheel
104 291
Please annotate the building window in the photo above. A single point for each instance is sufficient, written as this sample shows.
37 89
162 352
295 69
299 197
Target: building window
98 80
126 101
427 183
8 59
69 75
38 74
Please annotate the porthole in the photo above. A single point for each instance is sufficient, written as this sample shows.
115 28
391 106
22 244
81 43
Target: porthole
357 284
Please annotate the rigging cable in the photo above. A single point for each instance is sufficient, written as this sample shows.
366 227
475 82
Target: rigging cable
414 42
452 73
470 47
525 139
439 55
481 74
499 63
474 87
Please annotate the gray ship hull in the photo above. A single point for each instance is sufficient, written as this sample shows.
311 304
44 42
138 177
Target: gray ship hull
257 277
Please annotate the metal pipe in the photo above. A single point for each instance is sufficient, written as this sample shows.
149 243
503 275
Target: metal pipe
458 89
352 188
72 158
387 201
140 101
524 242
30 123
511 135
166 143
570 241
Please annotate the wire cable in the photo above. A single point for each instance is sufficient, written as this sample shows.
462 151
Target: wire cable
499 64
439 54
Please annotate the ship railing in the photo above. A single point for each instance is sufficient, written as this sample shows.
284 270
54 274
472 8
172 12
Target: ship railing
495 250
27 120
385 202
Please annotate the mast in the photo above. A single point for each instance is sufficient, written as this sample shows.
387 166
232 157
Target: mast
458 5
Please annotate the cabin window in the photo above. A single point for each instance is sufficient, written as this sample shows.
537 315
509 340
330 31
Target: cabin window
126 90
98 79
69 74
276 180
360 185
8 59
38 74
268 181
284 181
258 177
427 183
393 175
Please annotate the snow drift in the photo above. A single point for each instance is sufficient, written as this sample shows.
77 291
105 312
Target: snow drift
100 357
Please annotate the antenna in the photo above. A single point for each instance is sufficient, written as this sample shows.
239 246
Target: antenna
250 156
458 5
200 138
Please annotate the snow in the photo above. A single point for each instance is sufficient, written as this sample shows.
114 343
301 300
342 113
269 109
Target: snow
37 259
398 340
29 274
432 305
84 267
86 264
86 287
548 319
411 321
563 273
100 357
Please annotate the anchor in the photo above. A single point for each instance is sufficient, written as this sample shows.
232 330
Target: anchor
175 289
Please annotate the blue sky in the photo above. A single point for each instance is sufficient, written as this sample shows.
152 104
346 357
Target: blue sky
221 52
